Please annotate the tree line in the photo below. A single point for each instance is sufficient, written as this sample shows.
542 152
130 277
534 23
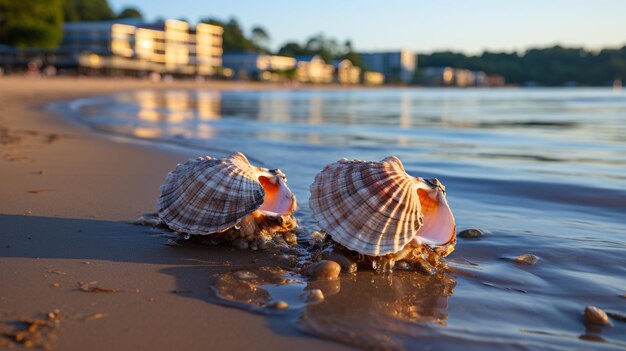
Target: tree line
235 40
39 24
552 66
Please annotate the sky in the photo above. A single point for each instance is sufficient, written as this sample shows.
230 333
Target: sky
423 26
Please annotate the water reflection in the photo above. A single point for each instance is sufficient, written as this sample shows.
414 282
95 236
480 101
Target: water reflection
208 105
381 312
378 311
532 132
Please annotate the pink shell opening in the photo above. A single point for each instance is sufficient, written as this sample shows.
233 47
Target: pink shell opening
439 227
278 198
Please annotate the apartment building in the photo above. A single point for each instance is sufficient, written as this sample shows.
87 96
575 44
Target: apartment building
259 66
346 72
130 47
396 66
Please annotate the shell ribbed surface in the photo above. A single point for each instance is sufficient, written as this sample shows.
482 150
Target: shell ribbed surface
207 195
369 207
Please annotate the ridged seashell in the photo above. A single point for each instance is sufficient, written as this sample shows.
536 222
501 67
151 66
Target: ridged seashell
207 195
376 208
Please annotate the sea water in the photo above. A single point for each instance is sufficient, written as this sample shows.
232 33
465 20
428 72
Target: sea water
541 171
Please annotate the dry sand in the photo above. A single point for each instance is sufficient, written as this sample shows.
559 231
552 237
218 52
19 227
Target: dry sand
66 199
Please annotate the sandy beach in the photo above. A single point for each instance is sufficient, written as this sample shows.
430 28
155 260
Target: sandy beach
77 274
69 255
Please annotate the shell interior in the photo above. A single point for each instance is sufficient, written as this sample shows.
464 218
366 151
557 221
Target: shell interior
439 227
278 200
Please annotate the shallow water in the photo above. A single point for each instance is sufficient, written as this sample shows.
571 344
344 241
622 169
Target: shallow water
543 171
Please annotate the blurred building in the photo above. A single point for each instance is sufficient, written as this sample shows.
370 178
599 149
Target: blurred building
458 77
346 72
396 66
464 78
260 67
495 81
373 78
130 47
437 76
313 69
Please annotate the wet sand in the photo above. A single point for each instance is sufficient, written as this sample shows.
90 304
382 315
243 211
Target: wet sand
67 247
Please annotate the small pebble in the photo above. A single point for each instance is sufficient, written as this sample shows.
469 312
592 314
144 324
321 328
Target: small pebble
241 243
153 222
55 285
315 295
325 269
287 260
347 264
403 266
244 275
265 244
328 287
596 315
280 242
424 267
473 233
317 237
290 238
281 305
526 259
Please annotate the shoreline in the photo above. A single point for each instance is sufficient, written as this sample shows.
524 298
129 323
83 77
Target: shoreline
67 197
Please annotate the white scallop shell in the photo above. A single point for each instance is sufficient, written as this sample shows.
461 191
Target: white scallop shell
374 208
208 195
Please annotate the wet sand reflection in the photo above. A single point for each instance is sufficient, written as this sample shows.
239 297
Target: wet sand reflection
366 309
381 312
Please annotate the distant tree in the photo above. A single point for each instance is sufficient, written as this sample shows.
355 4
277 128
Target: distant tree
552 66
31 23
130 12
260 37
351 55
292 49
233 39
70 11
328 48
87 10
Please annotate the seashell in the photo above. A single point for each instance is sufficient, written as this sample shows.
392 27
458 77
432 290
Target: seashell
376 208
207 195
